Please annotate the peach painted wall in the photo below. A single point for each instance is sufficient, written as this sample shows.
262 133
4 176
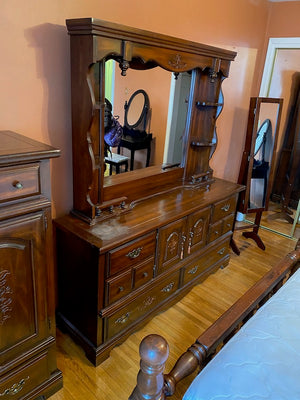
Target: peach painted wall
34 68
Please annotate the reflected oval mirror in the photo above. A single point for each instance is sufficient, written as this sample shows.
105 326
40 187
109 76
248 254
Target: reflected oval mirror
136 110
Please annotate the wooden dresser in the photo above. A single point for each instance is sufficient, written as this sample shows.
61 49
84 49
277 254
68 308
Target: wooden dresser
27 324
118 273
135 242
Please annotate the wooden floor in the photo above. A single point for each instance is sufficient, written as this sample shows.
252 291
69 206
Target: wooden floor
115 378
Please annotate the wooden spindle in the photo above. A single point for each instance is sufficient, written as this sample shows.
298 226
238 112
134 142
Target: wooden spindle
185 365
154 351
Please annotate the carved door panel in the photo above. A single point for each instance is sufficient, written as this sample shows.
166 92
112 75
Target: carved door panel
23 285
171 242
197 227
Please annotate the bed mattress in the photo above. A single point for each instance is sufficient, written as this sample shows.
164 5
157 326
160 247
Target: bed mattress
262 361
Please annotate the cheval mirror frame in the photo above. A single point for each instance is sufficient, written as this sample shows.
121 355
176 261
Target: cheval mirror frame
93 42
255 123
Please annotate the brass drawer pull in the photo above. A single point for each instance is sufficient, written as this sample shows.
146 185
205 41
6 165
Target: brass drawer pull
15 388
226 207
134 253
222 251
168 288
18 185
122 319
121 289
193 270
183 239
145 274
216 232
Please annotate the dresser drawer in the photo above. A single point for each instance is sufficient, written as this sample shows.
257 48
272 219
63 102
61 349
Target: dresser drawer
118 286
224 208
19 181
141 305
17 383
220 228
215 231
228 223
205 261
143 273
193 270
219 251
132 253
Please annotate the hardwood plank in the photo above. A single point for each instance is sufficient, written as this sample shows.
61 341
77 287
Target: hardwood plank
115 378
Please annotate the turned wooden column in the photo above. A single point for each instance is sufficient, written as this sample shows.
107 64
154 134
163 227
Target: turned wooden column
154 351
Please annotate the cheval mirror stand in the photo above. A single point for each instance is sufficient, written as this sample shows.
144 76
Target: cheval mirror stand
257 171
136 242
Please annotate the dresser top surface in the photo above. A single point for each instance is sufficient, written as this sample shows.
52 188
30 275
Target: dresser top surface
18 148
149 214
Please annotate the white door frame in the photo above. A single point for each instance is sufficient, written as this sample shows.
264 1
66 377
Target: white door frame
274 45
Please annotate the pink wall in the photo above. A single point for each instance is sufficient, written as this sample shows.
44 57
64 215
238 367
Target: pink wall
34 68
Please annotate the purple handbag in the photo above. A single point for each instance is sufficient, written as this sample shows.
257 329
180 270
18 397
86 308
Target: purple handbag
114 133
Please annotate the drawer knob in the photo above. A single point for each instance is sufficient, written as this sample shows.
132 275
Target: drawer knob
18 185
222 251
121 289
15 388
134 253
193 270
168 288
216 232
145 274
122 319
226 207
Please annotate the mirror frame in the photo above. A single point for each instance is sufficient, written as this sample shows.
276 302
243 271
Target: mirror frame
95 41
245 174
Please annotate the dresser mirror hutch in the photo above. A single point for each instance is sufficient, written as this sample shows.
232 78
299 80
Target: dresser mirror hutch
257 170
135 242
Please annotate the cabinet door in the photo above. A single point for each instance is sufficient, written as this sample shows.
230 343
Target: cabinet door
171 242
23 284
197 227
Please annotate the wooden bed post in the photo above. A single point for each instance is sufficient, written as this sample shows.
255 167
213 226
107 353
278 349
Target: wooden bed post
154 351
185 365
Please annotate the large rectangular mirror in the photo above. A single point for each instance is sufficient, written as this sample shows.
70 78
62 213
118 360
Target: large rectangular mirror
151 107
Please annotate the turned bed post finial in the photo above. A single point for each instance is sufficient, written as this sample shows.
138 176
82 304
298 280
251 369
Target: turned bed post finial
154 351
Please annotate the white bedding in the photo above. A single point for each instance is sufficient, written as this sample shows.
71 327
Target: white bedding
262 361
